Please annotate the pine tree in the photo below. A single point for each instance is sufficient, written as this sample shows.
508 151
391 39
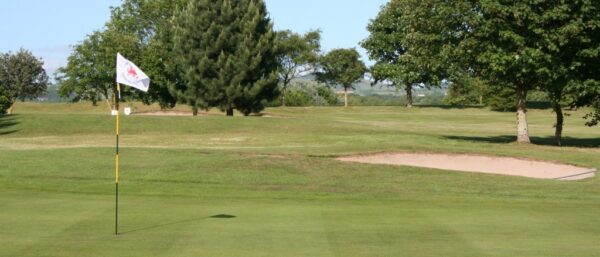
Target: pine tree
226 50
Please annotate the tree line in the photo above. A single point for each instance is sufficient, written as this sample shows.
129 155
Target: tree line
220 54
506 47
225 54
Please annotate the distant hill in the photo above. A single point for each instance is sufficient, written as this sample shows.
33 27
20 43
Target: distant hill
364 88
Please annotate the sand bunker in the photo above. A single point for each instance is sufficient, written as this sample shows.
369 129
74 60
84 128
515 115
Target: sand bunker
481 164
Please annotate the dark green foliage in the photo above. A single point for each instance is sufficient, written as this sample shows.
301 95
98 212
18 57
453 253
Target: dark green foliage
547 45
324 96
152 23
310 94
90 71
141 31
408 48
341 67
579 55
466 91
22 76
297 55
226 49
519 45
501 99
588 94
5 102
297 97
594 117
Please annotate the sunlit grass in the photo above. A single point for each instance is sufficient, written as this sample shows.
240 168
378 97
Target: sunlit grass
283 194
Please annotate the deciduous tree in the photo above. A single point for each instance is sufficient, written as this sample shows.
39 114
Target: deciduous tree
22 76
407 42
535 44
341 67
297 56
90 71
142 31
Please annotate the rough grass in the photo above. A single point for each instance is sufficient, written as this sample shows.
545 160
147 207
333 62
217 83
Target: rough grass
267 186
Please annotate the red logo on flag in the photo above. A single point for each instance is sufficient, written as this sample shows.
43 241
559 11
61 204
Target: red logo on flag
130 73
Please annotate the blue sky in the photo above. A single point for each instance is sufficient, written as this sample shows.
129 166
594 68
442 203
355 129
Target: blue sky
49 27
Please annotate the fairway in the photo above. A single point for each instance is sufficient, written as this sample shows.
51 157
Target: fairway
271 186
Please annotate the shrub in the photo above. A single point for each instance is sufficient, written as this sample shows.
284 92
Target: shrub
4 101
309 93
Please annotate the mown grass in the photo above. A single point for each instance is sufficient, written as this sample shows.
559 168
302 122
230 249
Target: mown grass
267 186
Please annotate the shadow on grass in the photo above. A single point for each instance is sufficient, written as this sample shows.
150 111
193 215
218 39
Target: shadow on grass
537 105
223 216
448 107
6 122
168 224
505 139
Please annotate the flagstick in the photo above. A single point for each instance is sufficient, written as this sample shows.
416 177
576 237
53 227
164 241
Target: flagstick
117 97
128 74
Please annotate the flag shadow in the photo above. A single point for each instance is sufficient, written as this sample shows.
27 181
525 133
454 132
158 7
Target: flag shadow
219 216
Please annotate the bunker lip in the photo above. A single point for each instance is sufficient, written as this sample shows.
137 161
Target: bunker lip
478 164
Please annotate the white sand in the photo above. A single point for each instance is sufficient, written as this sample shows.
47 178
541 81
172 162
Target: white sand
481 164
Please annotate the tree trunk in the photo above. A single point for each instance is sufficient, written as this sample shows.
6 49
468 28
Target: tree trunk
9 111
230 112
115 100
522 126
560 119
409 96
345 97
195 110
283 95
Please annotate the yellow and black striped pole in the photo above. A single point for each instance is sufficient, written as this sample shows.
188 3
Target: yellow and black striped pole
117 97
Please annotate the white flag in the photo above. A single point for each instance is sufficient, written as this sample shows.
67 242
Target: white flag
129 74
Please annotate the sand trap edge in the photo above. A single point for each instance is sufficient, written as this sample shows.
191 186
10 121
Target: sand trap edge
486 164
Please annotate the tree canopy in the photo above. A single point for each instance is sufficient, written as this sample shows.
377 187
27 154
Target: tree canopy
341 67
516 45
138 29
89 74
22 76
408 49
531 44
296 55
